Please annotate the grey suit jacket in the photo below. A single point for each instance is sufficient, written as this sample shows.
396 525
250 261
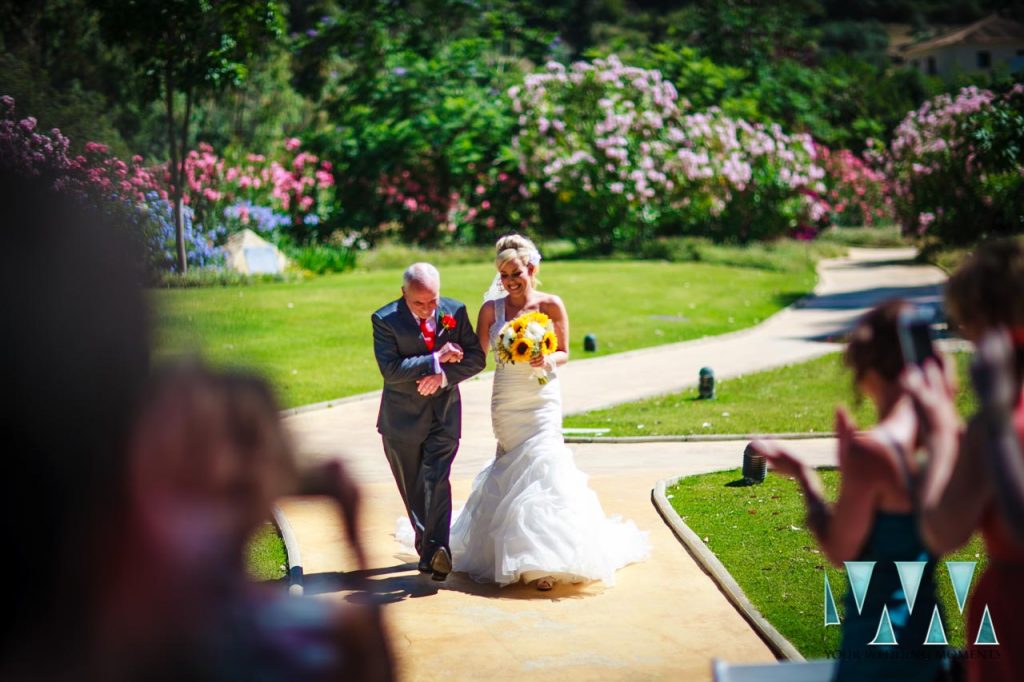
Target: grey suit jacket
403 358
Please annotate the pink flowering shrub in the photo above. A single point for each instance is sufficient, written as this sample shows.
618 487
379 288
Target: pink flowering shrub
26 149
290 192
482 208
856 192
957 166
612 155
127 190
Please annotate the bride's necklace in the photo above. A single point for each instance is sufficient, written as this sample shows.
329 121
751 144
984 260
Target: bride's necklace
510 315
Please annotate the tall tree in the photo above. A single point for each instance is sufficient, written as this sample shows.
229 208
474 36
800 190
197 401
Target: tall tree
749 33
182 49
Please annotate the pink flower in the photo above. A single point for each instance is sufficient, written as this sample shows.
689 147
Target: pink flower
292 143
324 179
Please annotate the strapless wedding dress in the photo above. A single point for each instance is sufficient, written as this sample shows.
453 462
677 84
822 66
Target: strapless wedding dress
531 513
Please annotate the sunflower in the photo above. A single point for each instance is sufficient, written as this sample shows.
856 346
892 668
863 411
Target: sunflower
538 317
549 344
519 324
522 350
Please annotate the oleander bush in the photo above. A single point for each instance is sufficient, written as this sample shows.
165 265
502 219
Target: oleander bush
612 156
957 166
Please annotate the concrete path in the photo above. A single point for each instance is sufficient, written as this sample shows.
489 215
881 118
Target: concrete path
664 617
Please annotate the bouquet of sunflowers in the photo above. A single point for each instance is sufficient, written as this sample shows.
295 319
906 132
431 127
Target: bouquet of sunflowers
529 336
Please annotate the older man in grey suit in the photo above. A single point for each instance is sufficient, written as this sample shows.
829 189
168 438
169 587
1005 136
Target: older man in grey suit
425 346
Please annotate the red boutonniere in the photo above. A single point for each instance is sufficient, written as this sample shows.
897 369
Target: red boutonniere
448 322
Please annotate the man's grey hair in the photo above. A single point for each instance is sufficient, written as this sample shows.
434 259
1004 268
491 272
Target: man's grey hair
423 274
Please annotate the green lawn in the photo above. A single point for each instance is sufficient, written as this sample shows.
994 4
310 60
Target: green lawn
758 534
266 555
313 337
797 398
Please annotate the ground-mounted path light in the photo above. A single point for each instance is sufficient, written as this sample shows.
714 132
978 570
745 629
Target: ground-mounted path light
590 343
706 385
755 466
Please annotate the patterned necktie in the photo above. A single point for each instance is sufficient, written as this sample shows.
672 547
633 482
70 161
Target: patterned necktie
428 336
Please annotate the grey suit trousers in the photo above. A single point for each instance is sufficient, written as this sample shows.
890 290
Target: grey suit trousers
421 470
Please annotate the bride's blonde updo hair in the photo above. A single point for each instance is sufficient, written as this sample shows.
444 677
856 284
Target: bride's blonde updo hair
518 248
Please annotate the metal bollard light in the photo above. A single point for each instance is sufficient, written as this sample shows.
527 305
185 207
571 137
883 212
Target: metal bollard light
590 343
706 386
755 466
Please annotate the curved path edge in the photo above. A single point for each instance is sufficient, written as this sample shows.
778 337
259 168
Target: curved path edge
293 554
779 645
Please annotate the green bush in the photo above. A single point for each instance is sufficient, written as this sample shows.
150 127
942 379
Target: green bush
321 258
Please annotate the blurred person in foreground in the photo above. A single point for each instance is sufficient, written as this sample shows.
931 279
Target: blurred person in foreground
975 475
874 516
208 459
73 362
126 499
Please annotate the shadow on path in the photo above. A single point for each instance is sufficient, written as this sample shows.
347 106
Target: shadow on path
926 294
391 584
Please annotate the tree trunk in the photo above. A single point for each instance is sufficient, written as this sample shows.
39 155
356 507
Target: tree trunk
175 172
182 159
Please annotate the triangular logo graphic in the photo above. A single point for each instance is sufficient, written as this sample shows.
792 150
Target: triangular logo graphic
885 634
960 574
911 573
831 613
987 631
936 633
859 573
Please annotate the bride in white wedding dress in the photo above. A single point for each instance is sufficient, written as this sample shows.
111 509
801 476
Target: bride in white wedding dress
531 515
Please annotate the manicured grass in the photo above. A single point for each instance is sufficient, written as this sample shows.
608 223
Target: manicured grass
266 555
758 533
313 337
874 237
797 398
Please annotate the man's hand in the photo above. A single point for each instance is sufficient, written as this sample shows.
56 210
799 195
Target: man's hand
333 480
450 352
428 385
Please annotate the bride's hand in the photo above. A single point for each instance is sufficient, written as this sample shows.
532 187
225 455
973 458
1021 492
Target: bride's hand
543 362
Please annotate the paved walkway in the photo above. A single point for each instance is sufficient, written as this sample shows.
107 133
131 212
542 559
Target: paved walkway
664 617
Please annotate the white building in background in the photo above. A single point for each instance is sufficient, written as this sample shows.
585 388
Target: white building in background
982 46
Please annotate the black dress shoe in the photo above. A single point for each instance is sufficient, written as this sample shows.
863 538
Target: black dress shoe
441 564
424 566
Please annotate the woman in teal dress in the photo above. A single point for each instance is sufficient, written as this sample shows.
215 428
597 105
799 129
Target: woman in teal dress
873 519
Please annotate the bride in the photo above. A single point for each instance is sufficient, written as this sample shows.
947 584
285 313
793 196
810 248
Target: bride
531 515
